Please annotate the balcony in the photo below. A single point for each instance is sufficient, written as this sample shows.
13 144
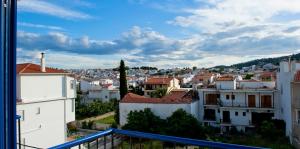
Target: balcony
115 138
225 121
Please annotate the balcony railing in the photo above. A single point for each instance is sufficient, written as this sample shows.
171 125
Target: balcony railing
225 121
115 136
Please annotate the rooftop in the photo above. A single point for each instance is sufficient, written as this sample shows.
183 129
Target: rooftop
174 97
225 78
34 68
158 80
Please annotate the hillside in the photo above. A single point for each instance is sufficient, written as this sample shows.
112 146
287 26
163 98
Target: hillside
260 62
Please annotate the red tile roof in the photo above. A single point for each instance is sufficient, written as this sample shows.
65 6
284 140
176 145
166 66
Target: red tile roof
158 80
297 76
225 78
34 68
175 97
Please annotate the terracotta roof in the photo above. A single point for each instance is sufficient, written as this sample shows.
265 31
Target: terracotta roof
268 75
297 76
34 68
225 78
158 80
251 80
175 97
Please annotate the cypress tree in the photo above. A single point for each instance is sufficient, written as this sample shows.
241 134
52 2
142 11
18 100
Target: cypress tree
123 81
123 89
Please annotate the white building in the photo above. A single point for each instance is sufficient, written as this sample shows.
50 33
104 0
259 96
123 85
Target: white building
240 104
104 94
285 78
153 83
162 107
46 103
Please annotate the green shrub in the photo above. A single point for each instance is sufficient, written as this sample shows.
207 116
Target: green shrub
84 125
90 124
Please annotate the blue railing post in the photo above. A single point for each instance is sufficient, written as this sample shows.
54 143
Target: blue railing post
112 141
8 137
141 135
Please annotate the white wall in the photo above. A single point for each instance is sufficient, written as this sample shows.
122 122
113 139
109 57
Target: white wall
226 85
45 129
161 110
34 88
54 96
104 94
261 84
85 85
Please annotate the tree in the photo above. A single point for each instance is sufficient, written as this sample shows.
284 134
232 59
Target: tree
159 92
123 81
248 76
194 68
123 88
182 124
145 121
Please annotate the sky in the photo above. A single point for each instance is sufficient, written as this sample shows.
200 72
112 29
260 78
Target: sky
159 33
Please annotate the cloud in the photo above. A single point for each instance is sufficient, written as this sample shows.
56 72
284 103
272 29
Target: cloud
44 7
228 14
144 46
41 26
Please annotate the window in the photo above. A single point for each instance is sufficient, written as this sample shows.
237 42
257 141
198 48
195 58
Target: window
236 113
72 84
266 101
38 111
73 105
232 97
244 113
211 99
251 101
105 97
227 96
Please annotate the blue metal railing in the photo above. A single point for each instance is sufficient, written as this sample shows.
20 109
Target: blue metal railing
175 140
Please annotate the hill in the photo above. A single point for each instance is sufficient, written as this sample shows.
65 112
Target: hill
263 61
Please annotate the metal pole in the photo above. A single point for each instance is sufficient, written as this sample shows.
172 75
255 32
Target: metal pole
130 143
112 141
140 143
104 142
97 142
19 129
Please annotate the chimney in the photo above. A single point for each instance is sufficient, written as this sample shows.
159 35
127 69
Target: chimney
43 63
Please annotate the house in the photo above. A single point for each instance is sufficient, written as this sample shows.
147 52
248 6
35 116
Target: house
45 102
105 93
153 83
162 107
239 104
295 85
287 82
203 79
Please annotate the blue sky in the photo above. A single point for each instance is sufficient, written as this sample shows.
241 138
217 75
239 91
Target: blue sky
161 33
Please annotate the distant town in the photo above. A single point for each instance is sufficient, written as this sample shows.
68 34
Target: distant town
256 100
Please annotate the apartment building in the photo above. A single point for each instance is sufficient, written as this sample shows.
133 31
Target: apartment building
45 102
238 103
153 83
288 86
